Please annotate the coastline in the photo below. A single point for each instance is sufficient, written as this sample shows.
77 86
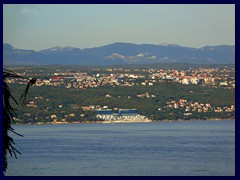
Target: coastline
122 121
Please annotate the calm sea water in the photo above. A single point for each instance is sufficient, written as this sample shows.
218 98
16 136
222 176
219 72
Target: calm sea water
200 148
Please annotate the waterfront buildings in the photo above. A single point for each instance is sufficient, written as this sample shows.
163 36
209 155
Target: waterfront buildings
122 114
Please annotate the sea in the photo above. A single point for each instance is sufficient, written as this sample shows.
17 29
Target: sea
188 148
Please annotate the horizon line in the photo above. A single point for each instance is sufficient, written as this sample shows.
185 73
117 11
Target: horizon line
160 44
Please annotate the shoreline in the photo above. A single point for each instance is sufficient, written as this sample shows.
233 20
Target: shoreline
122 121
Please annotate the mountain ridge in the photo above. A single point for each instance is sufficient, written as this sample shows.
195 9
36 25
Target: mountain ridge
121 53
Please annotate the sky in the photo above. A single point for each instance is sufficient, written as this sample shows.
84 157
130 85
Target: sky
42 26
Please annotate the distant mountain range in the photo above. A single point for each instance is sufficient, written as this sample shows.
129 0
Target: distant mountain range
120 53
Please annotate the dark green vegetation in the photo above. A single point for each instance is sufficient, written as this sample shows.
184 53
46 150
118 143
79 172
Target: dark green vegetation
72 101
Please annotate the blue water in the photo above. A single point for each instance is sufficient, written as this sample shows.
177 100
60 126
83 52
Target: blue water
200 148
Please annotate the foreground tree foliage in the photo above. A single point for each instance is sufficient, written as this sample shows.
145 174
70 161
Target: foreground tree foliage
9 114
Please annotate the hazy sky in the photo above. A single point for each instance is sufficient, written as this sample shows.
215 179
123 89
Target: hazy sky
43 26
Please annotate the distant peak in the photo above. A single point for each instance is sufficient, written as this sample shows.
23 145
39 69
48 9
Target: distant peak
56 48
7 46
166 44
61 48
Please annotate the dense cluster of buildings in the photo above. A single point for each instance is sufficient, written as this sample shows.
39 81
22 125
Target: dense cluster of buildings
201 76
144 77
196 107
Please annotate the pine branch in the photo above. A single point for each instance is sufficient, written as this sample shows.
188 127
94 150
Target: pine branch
9 113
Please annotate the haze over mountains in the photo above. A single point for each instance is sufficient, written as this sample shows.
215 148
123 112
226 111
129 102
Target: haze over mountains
120 53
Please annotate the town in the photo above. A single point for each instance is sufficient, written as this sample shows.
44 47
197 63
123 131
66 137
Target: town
126 77
94 78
